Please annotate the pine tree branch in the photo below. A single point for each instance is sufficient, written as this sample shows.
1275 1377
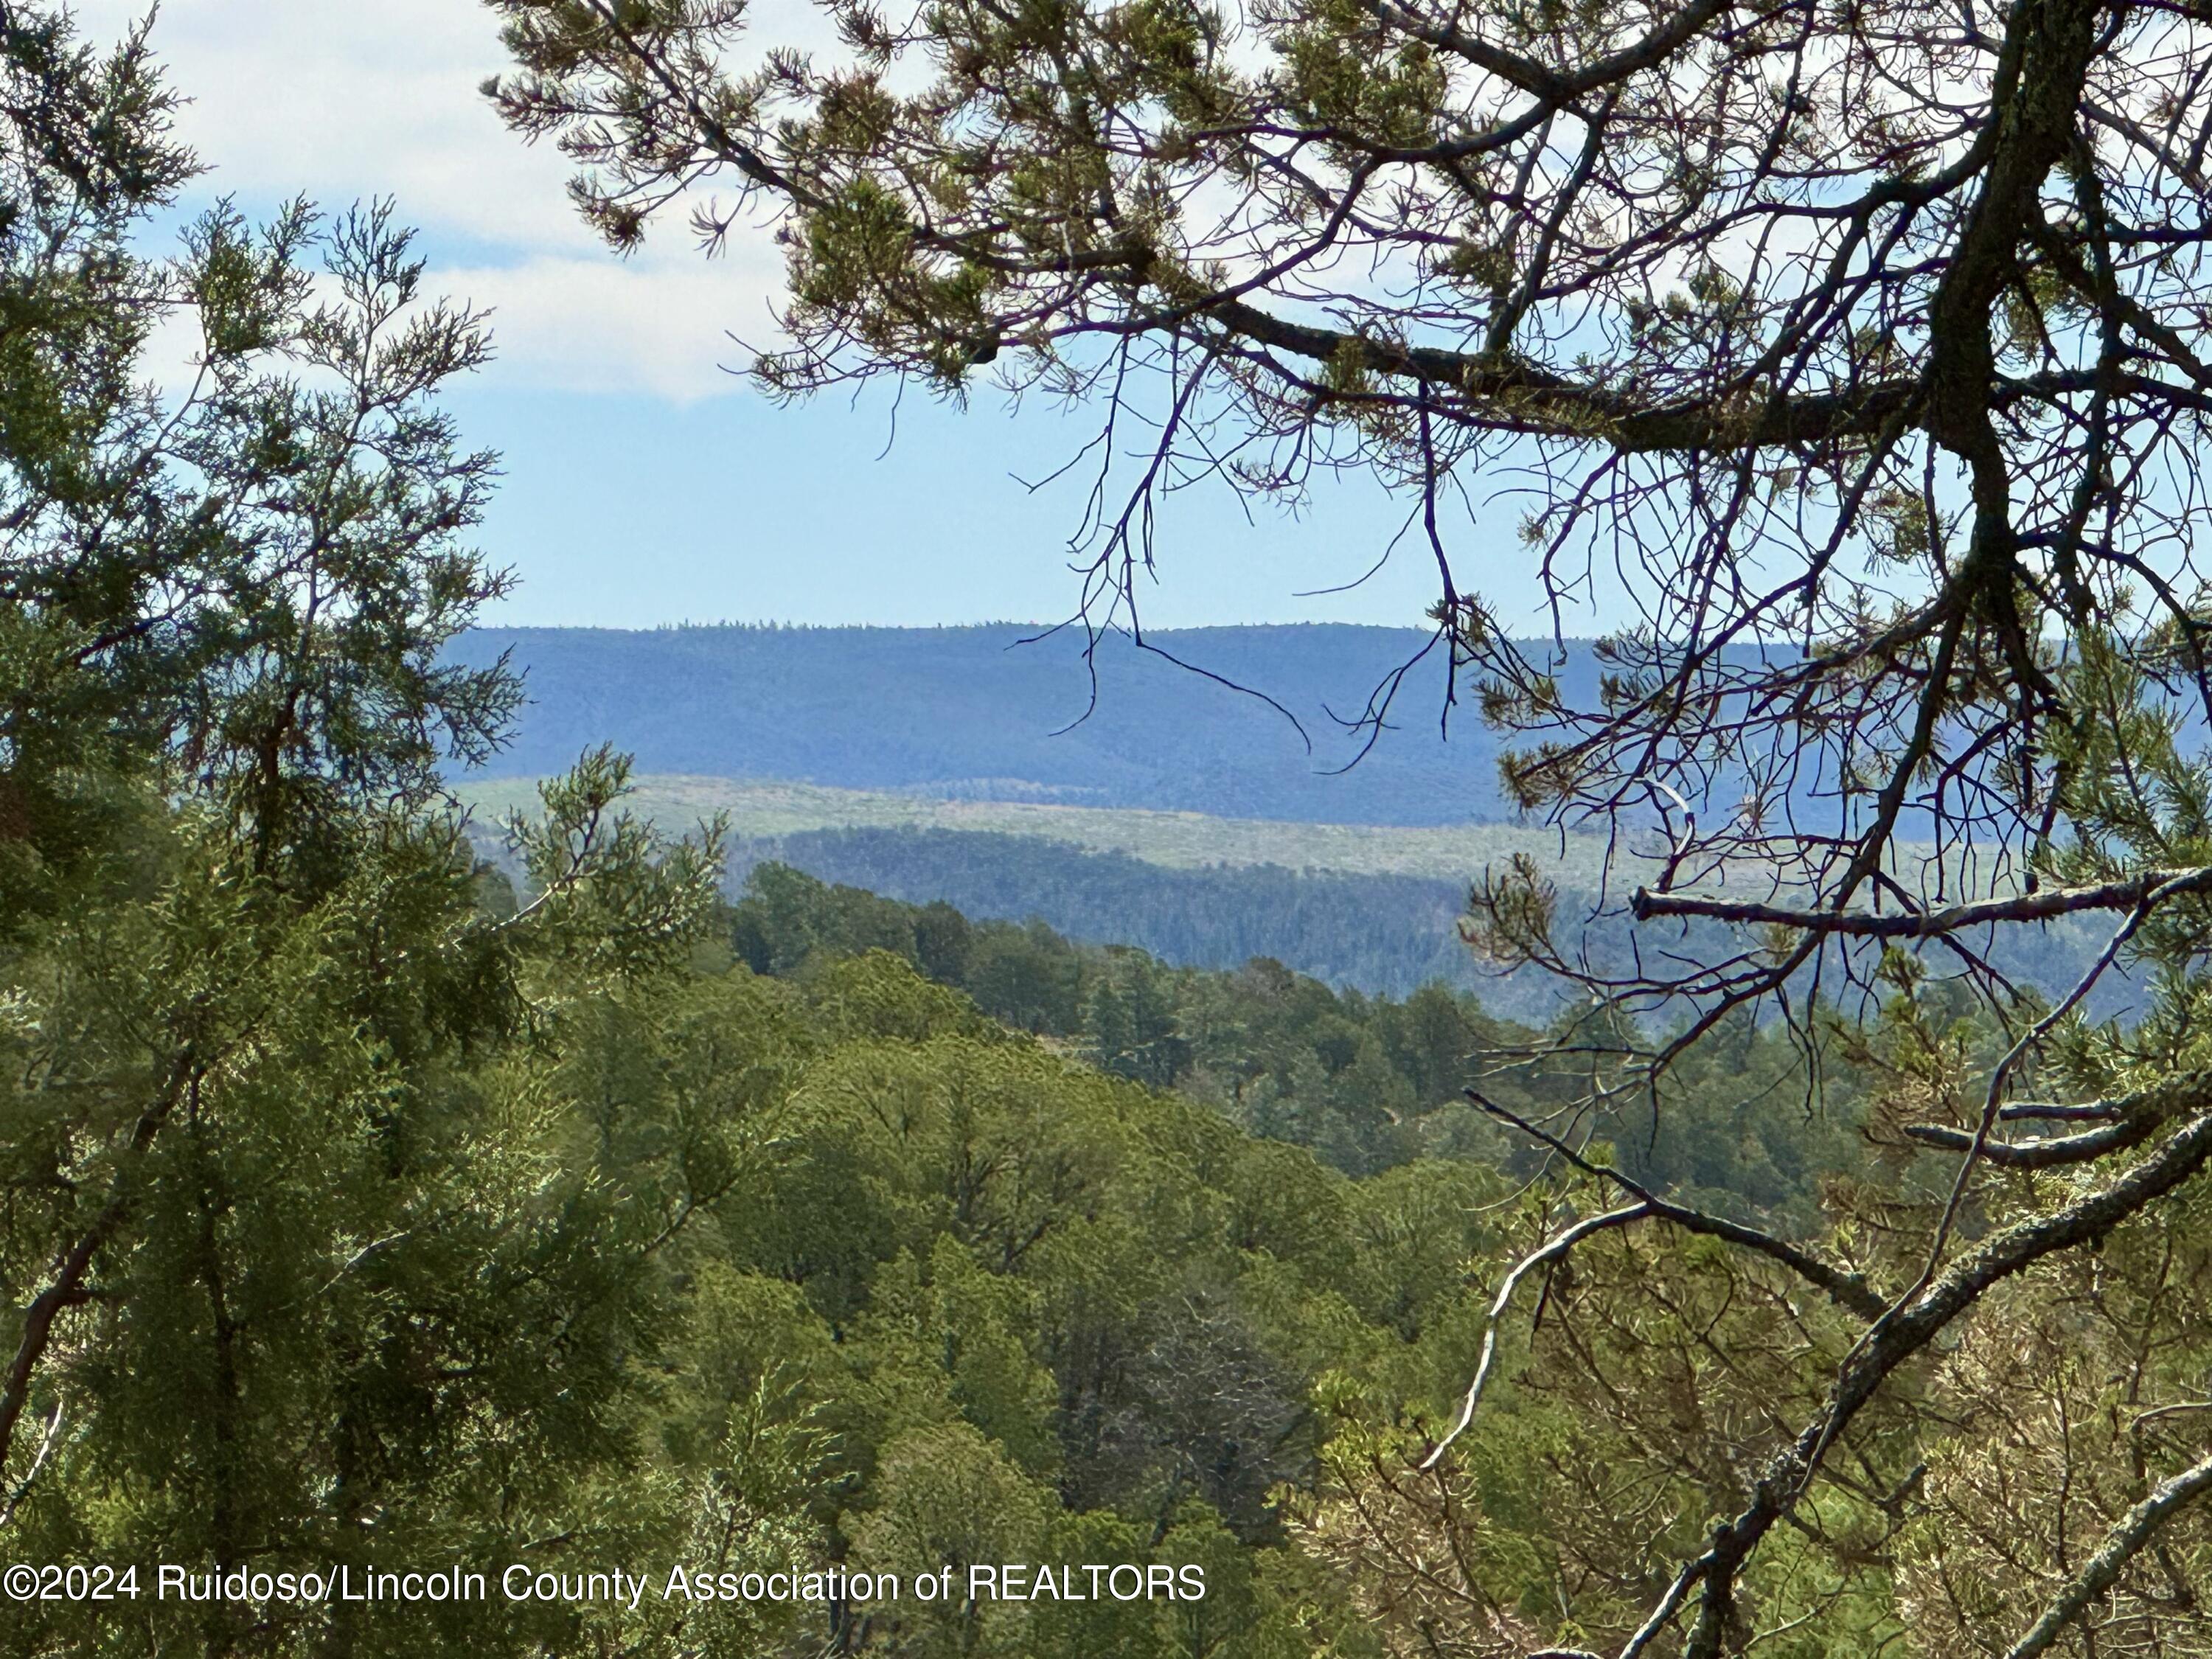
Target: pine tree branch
2052 1154
1849 1290
1550 1252
1554 87
67 1288
2101 1570
1909 1326
2050 903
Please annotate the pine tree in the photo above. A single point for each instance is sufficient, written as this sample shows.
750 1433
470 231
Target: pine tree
312 1259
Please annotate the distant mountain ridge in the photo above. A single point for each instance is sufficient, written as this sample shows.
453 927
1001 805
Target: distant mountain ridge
968 714
975 713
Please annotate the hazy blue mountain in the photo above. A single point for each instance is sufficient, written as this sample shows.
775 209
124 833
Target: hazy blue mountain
973 711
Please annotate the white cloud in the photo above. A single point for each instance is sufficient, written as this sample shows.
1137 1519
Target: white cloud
340 100
595 325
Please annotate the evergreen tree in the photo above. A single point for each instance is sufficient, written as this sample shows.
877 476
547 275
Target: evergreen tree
303 1270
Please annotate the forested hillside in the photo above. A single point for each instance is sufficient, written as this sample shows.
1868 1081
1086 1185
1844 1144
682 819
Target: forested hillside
1380 934
1386 935
975 711
1367 1082
764 809
1375 907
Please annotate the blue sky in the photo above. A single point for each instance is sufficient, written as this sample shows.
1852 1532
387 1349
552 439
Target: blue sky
627 510
644 484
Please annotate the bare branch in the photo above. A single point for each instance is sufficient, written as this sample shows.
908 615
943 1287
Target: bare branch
2127 893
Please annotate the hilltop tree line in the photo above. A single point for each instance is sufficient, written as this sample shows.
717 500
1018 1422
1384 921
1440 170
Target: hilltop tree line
986 710
1387 933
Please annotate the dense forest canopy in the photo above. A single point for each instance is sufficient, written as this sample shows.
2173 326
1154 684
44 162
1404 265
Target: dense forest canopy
1387 934
1368 1083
